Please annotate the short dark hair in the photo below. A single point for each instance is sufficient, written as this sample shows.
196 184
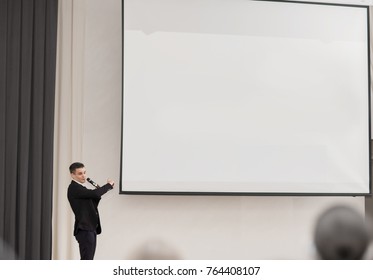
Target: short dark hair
341 234
74 166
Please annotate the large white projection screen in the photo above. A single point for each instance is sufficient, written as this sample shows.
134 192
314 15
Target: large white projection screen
245 97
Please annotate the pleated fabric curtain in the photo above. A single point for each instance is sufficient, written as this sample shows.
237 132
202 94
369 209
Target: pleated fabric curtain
28 32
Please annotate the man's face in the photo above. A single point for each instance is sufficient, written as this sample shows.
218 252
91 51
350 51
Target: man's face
79 175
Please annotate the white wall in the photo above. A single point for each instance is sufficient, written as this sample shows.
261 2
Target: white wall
201 227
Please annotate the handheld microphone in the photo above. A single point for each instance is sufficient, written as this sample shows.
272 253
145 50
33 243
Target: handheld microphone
93 183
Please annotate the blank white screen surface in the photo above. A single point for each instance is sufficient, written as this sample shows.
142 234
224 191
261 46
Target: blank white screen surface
245 97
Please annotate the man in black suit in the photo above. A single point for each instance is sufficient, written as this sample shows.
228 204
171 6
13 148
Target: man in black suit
84 204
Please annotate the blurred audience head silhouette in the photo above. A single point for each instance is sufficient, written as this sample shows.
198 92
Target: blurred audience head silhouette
6 252
341 234
155 249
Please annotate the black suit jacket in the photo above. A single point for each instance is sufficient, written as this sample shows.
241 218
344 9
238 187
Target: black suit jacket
84 204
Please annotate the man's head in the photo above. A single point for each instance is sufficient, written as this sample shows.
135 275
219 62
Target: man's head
78 172
341 234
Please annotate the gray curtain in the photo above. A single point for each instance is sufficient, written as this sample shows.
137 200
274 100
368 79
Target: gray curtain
28 33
